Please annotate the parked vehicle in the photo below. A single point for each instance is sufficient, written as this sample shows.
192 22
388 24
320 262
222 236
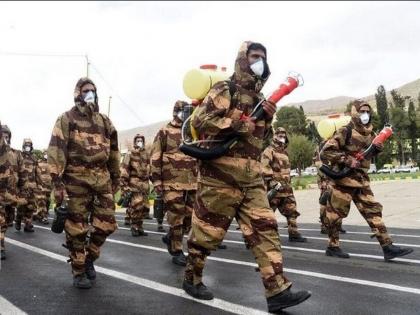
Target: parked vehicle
406 169
372 169
294 173
310 171
387 169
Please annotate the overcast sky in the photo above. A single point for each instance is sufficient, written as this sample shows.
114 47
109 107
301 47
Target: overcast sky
141 51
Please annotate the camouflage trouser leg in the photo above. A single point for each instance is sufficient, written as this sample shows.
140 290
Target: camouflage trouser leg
101 208
26 212
214 210
139 209
322 214
10 214
128 212
179 205
3 226
42 206
338 208
371 210
287 207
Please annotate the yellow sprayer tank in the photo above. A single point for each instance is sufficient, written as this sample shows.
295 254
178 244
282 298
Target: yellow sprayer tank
197 82
327 126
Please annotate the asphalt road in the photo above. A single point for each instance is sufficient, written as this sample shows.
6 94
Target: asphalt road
136 276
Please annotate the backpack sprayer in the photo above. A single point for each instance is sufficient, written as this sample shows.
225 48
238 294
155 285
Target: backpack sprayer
190 148
372 150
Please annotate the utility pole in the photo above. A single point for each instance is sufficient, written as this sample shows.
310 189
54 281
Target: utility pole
87 65
109 105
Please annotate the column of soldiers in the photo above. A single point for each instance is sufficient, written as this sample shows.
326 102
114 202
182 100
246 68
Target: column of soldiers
201 197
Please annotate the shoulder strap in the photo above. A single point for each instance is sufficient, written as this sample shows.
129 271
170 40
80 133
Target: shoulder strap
348 134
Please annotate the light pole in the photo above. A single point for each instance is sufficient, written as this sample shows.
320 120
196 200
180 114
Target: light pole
87 65
109 105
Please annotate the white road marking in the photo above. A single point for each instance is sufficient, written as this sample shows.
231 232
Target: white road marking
221 304
157 286
8 308
413 261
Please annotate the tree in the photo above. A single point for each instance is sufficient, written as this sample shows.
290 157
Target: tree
412 130
301 151
292 119
382 105
313 134
399 121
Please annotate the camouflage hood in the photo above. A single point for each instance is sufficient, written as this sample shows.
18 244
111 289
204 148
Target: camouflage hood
3 146
280 131
179 105
136 137
27 141
78 101
355 117
6 130
243 75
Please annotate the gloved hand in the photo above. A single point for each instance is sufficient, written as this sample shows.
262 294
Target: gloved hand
60 194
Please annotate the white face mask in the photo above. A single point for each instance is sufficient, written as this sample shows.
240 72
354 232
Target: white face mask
258 67
364 118
282 140
179 115
140 144
45 156
27 149
90 97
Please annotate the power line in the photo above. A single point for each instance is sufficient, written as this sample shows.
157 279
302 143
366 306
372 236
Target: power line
116 94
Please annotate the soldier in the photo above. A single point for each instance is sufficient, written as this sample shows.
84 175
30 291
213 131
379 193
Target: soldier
84 163
27 186
339 151
174 175
135 180
276 171
232 186
323 185
8 187
44 188
16 156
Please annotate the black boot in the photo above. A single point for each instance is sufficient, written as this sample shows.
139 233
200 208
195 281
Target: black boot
81 282
142 233
198 291
285 299
160 228
126 221
391 251
324 229
341 230
90 270
167 242
18 224
2 254
29 228
135 232
297 238
221 246
336 252
45 221
180 259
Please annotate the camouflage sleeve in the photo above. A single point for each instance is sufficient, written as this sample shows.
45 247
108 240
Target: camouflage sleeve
209 118
156 155
333 150
57 149
125 171
114 155
267 171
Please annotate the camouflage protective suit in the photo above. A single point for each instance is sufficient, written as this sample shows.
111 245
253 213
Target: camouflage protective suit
323 186
338 152
135 171
176 174
44 189
276 169
16 160
27 186
8 188
84 160
232 186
